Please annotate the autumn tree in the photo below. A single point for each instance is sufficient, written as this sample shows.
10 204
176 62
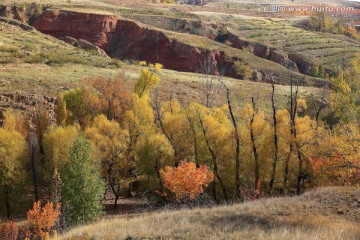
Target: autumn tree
57 141
174 125
344 99
236 135
12 149
257 142
83 187
78 106
9 231
321 22
215 143
112 93
336 161
41 219
242 70
110 142
153 153
149 79
186 181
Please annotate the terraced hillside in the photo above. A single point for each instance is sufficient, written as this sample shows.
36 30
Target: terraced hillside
283 35
320 48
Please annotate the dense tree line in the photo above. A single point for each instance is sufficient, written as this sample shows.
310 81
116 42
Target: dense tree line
106 135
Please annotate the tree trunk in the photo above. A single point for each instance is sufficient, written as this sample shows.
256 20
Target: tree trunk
276 147
116 201
213 187
214 160
157 169
253 144
7 202
34 175
237 140
300 173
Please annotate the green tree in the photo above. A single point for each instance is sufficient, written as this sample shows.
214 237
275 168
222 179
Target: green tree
82 185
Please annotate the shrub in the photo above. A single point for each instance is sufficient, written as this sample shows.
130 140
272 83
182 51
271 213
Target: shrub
222 35
242 71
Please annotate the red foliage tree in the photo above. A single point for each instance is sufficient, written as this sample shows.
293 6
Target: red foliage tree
337 170
186 181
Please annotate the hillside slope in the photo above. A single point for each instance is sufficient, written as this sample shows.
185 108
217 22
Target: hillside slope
328 213
32 63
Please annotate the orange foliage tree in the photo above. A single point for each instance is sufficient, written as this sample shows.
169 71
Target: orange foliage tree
9 231
186 181
42 219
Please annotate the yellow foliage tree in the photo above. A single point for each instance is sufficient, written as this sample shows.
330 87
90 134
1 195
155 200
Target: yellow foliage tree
149 79
111 144
12 148
57 142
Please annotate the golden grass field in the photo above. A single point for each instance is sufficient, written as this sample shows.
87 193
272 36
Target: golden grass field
325 213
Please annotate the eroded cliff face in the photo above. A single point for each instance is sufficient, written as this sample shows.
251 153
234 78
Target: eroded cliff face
95 28
126 39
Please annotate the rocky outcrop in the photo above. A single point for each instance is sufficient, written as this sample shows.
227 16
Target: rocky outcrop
83 44
304 65
19 24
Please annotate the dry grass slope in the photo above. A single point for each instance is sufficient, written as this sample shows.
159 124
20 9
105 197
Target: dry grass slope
327 213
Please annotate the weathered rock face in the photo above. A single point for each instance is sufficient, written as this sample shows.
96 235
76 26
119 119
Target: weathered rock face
303 65
133 41
95 28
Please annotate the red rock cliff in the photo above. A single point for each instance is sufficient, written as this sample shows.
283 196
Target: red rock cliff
95 28
124 39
